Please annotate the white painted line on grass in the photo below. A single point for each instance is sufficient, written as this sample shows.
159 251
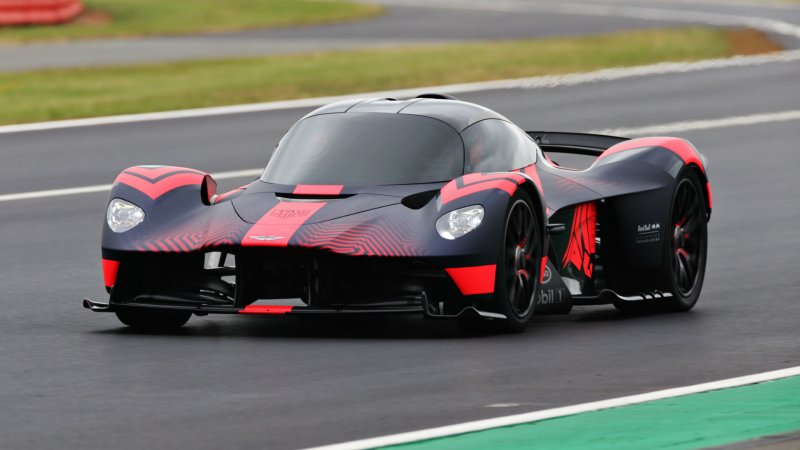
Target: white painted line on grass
682 127
516 419
541 82
249 173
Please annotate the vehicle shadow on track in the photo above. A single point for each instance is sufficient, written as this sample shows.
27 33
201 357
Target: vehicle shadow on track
387 327
309 327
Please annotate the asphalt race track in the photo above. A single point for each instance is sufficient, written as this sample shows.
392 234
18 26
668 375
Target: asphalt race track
71 378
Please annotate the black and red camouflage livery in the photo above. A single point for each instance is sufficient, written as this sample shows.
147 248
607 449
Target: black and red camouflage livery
362 210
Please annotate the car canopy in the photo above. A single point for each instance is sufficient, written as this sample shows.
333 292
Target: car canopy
366 149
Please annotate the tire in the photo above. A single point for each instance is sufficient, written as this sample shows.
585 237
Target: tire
517 274
153 320
684 258
687 253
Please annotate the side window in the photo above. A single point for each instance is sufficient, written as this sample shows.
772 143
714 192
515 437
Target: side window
494 145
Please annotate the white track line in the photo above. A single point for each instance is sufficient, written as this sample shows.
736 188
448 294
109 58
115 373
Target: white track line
574 8
676 127
682 127
249 173
520 83
771 4
650 13
469 427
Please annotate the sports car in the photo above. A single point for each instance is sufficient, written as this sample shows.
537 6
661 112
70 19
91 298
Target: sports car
429 206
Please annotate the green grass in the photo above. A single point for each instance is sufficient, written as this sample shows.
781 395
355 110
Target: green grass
116 18
690 422
63 94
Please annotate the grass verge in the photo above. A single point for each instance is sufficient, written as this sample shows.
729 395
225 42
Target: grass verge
73 93
697 421
117 18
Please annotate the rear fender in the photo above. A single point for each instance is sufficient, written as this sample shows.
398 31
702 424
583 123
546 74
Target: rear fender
647 150
635 226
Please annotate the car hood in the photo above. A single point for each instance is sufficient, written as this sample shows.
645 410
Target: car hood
252 207
261 198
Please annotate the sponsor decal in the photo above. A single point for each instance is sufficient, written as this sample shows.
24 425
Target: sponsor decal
552 296
547 276
279 224
648 233
290 213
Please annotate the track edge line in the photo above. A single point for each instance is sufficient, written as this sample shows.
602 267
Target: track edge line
535 416
538 82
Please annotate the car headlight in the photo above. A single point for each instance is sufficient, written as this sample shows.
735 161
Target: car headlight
459 222
122 216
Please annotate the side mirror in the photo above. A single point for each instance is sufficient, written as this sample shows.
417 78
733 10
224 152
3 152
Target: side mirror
208 189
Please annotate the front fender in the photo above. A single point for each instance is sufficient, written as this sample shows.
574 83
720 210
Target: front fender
176 203
466 190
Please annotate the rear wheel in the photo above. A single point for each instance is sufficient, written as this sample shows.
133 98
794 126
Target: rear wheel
686 254
684 259
153 320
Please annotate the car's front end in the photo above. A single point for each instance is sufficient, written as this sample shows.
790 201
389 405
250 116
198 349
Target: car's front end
280 249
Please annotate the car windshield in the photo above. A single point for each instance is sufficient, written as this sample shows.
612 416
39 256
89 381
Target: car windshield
367 149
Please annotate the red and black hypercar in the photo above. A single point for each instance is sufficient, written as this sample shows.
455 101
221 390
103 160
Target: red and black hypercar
431 206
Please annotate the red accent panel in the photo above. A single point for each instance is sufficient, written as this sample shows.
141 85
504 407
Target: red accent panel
157 189
473 280
266 309
478 182
708 190
544 267
318 189
680 147
110 268
532 172
157 181
280 223
581 246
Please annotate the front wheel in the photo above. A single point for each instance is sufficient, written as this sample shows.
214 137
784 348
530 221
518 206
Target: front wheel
518 265
153 320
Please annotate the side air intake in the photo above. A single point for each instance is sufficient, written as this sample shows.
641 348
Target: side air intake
437 96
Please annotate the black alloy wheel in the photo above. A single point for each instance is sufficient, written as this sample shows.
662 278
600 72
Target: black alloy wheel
521 258
688 242
517 273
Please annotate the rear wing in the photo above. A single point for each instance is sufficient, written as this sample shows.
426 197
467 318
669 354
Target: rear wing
574 143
